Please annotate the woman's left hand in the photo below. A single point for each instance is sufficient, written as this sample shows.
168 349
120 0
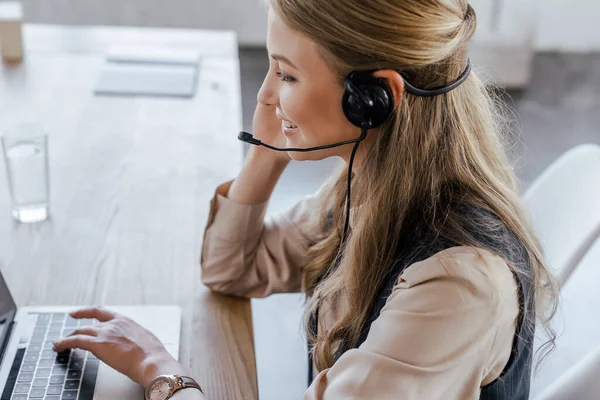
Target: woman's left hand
122 344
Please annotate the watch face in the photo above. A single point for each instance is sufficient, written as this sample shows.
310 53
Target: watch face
160 389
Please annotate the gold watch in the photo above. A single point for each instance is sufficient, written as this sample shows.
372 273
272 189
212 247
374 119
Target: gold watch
163 387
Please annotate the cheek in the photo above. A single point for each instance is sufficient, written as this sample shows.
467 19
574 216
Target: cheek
318 113
295 102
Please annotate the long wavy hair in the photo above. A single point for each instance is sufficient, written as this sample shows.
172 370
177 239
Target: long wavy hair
456 138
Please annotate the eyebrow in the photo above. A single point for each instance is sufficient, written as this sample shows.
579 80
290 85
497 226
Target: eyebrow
279 57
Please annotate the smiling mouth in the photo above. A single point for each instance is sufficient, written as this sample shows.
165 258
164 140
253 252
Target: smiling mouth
289 125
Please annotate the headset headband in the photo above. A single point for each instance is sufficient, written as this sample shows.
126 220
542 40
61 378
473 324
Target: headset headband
423 92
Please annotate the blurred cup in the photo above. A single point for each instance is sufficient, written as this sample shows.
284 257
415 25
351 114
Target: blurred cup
25 149
11 26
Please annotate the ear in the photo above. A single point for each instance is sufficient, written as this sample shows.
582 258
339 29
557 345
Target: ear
395 81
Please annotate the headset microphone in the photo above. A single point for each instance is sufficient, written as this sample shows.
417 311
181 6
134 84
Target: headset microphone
248 138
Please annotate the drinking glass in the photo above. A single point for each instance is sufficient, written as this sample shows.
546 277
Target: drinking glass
25 149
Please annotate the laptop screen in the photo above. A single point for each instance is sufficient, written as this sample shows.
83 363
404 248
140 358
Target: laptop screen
8 309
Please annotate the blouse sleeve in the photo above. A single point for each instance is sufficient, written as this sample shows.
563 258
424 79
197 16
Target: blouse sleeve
246 255
445 331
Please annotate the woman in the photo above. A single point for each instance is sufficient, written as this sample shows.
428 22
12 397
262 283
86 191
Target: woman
431 290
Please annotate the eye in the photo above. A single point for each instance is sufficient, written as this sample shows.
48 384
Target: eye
285 77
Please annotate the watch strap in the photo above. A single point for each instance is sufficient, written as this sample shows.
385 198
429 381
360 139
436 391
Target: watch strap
185 382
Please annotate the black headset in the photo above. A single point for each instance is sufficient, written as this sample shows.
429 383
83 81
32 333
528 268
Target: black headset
368 101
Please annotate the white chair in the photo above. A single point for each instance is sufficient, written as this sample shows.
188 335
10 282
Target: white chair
564 206
579 382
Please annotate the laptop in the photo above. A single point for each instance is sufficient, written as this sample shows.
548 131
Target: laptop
30 369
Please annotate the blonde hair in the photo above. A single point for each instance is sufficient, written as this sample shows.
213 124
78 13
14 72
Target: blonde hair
427 145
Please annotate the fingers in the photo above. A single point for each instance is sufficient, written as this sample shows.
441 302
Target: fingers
83 342
101 314
89 331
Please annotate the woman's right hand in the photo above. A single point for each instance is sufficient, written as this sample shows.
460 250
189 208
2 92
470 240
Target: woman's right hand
263 167
267 128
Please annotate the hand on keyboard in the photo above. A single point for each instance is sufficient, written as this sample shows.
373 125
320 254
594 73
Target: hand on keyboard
122 344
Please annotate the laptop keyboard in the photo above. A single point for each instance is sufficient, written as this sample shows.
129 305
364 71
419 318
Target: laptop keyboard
38 372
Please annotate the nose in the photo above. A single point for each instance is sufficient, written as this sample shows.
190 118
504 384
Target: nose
267 95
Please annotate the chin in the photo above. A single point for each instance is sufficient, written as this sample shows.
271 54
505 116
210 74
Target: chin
305 155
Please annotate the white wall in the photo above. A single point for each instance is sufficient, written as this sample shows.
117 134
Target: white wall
563 25
247 17
568 25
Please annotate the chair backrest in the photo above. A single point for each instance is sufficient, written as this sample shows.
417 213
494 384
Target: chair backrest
564 206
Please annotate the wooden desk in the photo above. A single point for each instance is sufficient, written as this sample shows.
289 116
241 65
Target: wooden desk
131 180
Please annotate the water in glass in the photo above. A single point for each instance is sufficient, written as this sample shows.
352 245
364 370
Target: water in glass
26 161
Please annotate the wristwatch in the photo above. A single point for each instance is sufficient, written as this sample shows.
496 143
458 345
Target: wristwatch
163 387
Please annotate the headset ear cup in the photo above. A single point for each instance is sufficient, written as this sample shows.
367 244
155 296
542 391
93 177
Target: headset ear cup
383 108
354 109
383 101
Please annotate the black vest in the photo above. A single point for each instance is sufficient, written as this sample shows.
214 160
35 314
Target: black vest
514 381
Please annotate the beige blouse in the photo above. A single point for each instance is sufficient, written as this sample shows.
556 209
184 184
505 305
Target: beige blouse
445 331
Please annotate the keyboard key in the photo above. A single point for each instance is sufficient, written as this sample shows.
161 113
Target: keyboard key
40 382
32 353
62 359
54 390
41 324
34 348
37 393
31 358
28 367
74 375
19 356
60 369
87 322
22 388
48 344
37 339
12 375
46 362
78 354
25 377
39 331
91 356
69 395
55 326
48 353
66 332
53 335
71 322
19 397
88 381
71 385
76 365
43 317
57 379
58 316
52 398
42 373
